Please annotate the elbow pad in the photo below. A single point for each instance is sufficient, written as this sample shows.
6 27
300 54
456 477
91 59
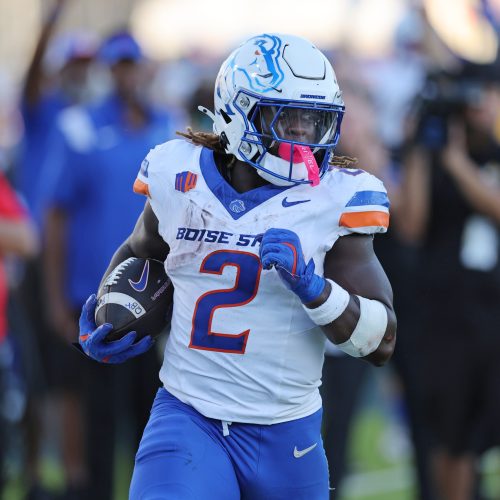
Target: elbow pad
369 331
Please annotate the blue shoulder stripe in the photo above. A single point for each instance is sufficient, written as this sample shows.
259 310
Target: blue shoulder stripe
362 198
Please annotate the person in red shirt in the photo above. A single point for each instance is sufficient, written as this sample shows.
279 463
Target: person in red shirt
17 237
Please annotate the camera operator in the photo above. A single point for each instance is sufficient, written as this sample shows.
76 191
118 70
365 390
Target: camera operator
451 196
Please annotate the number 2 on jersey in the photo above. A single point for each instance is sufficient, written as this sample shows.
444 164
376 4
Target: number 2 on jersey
248 268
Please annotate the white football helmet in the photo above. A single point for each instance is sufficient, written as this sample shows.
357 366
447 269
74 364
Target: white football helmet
278 107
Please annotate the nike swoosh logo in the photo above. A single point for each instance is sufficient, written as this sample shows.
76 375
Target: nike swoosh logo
140 286
287 203
301 453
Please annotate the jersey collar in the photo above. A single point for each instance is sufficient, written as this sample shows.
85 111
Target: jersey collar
236 204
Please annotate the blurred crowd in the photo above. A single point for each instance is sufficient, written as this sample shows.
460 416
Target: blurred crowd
424 121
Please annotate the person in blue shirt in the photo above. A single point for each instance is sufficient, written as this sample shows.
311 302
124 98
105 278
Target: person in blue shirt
92 162
58 76
46 92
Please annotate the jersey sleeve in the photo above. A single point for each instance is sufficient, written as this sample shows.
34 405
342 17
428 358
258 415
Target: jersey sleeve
141 184
367 209
154 173
154 179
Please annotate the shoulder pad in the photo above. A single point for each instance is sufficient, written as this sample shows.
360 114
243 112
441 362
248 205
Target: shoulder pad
366 209
158 161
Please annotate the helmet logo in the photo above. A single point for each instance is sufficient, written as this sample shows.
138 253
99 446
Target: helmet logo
263 72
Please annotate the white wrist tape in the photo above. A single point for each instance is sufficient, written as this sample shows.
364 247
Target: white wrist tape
332 308
369 331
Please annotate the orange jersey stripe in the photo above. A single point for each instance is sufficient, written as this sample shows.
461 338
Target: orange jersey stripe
364 219
141 188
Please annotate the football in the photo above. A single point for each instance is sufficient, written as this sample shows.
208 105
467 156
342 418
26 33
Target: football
136 296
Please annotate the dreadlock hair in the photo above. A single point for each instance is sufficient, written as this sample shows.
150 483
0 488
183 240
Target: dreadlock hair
213 142
342 161
206 139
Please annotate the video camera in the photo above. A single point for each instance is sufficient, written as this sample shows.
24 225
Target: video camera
444 97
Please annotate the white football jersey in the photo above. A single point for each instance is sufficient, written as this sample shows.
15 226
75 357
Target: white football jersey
241 347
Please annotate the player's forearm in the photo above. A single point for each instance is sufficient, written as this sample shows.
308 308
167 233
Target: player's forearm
385 349
123 252
339 330
144 241
33 80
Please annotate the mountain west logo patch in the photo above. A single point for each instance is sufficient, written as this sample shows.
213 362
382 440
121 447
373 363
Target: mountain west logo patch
184 181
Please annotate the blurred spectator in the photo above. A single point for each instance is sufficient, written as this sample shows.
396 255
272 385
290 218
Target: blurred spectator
93 159
17 237
397 79
57 77
393 85
451 204
175 83
340 401
359 139
49 88
395 82
202 96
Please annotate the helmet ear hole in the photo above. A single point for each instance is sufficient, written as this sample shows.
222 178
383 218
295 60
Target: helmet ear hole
226 117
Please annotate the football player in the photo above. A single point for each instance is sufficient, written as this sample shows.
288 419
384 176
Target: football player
267 238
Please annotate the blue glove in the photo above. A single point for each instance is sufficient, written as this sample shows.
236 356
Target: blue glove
93 339
281 249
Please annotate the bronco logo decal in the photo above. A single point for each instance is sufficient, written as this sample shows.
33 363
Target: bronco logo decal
268 74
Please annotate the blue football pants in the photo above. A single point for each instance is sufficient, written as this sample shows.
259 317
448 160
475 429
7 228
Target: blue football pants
186 456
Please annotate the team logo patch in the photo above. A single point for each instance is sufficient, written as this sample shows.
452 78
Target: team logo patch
184 181
237 206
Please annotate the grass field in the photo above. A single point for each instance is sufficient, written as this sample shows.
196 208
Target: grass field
380 474
374 473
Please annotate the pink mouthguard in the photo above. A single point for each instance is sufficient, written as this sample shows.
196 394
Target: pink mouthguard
301 154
